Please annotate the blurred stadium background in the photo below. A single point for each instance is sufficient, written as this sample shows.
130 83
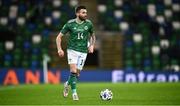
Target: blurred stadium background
132 35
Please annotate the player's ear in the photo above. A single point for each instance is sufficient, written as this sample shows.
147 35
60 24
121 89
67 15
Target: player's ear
77 13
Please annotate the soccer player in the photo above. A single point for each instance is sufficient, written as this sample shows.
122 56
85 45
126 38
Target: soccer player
81 41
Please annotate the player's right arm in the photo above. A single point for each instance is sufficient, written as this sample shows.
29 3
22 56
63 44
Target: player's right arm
63 31
58 44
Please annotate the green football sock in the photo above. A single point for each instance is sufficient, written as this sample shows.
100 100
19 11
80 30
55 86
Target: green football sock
73 90
69 80
72 80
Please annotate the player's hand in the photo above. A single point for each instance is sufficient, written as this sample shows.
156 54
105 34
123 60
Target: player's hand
91 49
61 53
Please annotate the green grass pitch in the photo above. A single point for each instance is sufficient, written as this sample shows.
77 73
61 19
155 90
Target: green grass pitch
123 94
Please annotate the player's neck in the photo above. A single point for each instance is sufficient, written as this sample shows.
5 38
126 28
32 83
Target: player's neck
79 21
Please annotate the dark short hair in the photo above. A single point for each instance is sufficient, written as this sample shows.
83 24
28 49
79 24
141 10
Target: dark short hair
79 8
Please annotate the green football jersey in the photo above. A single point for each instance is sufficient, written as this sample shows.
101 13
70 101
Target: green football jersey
79 34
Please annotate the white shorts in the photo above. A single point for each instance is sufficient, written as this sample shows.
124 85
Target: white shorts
75 57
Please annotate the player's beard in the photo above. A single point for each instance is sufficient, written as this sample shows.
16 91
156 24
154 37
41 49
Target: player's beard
82 18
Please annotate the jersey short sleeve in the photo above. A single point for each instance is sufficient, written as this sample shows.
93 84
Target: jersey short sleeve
65 29
91 30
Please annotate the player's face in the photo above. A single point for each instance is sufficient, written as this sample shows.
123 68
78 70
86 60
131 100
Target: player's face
82 14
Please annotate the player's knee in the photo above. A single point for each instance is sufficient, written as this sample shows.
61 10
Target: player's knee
73 70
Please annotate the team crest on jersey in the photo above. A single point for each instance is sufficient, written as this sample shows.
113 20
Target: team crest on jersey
86 28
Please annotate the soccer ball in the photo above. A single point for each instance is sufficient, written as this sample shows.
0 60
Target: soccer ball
106 94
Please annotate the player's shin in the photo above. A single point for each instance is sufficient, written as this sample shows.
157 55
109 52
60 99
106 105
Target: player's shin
73 81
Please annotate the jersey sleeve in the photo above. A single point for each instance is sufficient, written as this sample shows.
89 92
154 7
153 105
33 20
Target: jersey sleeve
91 30
65 29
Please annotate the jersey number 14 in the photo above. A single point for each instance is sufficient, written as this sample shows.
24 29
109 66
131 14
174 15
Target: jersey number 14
80 36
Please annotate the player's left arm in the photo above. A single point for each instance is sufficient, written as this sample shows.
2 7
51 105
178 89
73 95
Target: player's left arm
92 41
